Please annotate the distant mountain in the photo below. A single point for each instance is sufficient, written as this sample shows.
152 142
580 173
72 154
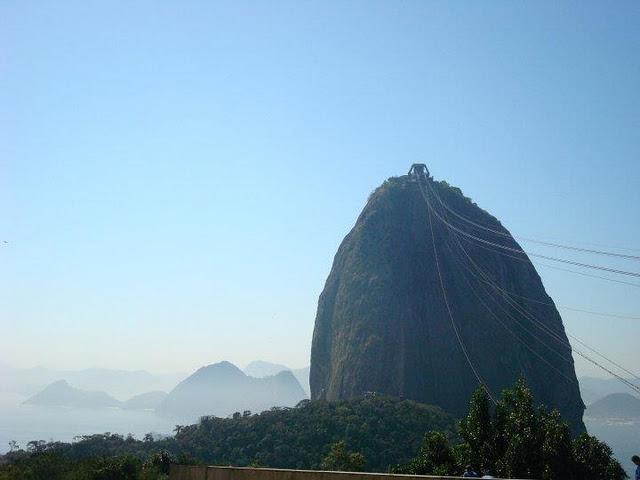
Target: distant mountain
593 389
261 369
615 406
222 389
123 383
61 394
145 401
120 383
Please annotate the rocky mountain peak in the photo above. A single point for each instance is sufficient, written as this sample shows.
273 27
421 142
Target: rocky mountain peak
382 323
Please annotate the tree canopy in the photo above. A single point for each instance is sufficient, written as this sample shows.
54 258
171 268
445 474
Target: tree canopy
515 439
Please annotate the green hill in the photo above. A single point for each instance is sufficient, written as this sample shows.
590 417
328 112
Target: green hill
386 431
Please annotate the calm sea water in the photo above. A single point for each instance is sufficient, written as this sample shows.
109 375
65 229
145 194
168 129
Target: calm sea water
622 437
23 423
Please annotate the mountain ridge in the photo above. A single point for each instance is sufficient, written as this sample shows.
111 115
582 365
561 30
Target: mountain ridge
120 383
61 394
615 406
261 368
221 389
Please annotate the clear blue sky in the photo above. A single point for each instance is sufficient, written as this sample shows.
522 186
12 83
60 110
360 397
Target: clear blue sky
176 176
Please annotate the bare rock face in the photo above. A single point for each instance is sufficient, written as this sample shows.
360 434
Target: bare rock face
382 323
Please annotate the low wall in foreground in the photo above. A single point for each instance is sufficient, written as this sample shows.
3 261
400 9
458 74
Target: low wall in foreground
189 472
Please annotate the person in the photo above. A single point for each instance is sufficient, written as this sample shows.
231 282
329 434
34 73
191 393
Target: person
636 459
487 474
469 472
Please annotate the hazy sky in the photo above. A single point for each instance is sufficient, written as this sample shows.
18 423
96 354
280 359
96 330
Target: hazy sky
176 176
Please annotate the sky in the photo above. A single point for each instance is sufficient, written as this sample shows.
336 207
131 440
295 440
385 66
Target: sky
175 177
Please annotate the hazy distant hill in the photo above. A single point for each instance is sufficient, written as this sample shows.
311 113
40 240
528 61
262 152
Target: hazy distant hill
222 389
615 406
260 369
61 394
145 401
120 383
593 389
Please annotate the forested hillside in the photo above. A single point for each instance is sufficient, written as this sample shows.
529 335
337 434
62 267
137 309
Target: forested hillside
374 433
386 431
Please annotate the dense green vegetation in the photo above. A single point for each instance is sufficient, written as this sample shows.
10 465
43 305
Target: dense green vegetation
340 460
383 429
51 464
515 440
377 432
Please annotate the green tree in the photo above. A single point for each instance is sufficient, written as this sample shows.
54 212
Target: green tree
339 459
594 460
161 461
517 441
126 467
40 466
557 454
434 458
479 433
518 434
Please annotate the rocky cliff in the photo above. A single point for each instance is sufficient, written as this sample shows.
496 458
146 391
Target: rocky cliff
382 324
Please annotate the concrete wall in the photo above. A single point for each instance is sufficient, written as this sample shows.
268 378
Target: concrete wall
187 472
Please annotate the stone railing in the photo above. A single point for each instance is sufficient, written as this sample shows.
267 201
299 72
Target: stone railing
190 472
